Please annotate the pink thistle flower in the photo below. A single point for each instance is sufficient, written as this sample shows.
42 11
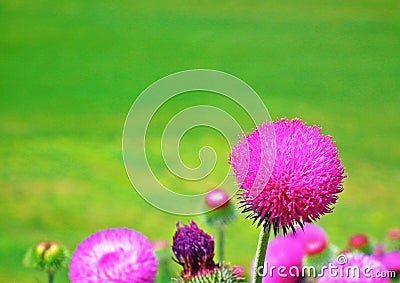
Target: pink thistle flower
283 252
313 238
299 185
391 260
117 255
359 268
379 250
358 241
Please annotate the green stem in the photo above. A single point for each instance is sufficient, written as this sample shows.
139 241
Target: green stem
260 253
221 244
50 277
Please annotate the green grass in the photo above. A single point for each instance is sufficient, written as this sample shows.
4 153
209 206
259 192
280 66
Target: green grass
71 70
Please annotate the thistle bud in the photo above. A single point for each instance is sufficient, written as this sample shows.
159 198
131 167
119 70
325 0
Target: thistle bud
393 241
47 256
223 210
361 243
319 259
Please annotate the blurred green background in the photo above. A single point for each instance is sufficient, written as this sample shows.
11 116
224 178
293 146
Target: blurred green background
70 70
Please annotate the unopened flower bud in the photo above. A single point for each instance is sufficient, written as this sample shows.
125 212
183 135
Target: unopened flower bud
47 256
319 259
223 210
394 234
360 242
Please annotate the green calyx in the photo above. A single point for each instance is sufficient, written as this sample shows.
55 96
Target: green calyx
221 274
367 249
47 256
392 245
221 216
314 263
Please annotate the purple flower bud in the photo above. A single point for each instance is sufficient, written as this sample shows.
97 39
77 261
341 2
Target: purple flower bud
193 250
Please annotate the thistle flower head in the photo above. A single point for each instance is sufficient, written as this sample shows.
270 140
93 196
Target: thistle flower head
294 170
359 268
358 241
193 250
115 255
391 260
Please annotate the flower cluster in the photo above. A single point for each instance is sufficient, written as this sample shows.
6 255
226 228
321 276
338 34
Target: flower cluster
289 175
308 256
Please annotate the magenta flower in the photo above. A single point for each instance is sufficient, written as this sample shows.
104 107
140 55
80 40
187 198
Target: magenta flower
115 255
379 250
284 252
391 260
358 269
305 178
313 238
194 250
358 241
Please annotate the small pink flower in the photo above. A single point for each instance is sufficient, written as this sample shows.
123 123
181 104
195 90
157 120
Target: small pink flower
358 241
378 251
238 270
313 238
216 198
394 234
